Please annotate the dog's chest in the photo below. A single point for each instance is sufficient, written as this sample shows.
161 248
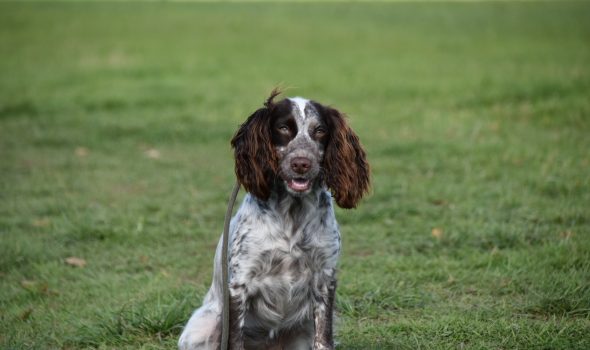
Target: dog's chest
282 264
282 282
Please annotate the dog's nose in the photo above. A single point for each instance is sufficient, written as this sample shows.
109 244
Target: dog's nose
300 165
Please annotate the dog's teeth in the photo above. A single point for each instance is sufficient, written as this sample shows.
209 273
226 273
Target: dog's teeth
299 184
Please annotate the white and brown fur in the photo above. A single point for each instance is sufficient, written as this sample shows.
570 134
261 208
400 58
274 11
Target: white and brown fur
292 157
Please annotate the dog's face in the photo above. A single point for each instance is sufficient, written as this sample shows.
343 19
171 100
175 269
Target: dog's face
300 144
299 136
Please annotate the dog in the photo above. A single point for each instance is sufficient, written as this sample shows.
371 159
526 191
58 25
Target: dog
293 157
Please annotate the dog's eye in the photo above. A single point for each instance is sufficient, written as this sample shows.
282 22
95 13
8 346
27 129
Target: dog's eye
319 131
283 128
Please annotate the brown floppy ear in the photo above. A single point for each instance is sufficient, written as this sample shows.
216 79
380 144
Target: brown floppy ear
255 158
347 171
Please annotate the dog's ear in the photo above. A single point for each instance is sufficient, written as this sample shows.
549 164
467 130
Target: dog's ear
347 171
255 158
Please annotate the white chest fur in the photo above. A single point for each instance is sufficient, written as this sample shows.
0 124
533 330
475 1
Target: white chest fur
280 252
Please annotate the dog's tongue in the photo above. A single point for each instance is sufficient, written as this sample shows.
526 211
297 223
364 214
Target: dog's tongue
298 185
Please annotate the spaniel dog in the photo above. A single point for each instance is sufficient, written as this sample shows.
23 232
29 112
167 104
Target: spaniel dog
292 156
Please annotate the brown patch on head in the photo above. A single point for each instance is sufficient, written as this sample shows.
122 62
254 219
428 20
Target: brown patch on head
255 159
346 168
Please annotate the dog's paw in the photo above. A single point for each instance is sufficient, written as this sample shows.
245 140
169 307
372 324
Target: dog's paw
194 341
186 344
320 346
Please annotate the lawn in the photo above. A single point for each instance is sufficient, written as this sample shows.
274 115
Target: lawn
115 121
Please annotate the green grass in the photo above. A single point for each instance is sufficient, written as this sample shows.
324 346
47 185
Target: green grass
115 120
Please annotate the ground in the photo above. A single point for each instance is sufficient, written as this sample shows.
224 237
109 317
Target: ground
115 121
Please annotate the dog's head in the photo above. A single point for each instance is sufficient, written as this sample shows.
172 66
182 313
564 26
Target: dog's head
300 144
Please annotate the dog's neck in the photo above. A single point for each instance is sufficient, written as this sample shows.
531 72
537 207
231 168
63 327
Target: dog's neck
296 209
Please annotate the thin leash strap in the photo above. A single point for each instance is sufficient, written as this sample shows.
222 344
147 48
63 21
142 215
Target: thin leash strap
225 269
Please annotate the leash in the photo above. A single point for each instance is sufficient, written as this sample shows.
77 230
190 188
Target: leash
225 269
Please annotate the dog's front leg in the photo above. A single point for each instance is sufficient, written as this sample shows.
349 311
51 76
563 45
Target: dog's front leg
237 315
323 313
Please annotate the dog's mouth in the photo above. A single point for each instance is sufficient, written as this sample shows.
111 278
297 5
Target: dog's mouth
299 184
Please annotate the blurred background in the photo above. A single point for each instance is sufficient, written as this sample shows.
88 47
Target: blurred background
115 121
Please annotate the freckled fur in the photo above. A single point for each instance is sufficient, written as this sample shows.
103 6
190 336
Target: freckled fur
284 243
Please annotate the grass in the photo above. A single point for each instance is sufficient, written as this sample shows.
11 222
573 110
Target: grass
115 120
